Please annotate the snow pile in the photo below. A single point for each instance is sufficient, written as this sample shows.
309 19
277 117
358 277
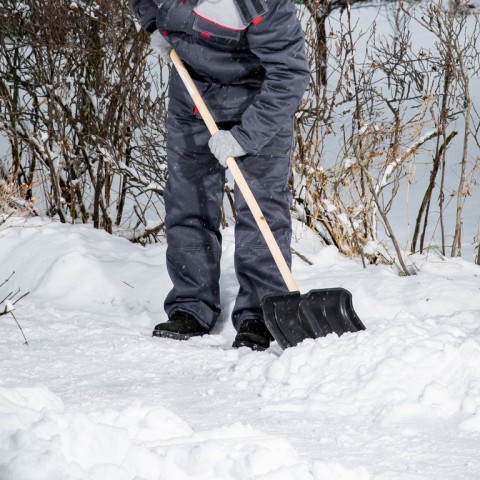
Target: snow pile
411 370
39 435
80 267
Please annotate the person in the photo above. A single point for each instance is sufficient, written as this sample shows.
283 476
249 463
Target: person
247 58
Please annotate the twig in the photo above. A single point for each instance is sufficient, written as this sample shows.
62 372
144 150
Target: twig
18 299
7 279
303 257
386 223
10 298
393 165
21 329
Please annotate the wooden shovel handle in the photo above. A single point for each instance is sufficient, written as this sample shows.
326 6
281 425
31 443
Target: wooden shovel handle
238 176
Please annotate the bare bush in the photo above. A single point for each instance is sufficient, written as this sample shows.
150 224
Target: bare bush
79 108
387 102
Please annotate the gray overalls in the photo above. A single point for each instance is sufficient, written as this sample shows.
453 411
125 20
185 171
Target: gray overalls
247 59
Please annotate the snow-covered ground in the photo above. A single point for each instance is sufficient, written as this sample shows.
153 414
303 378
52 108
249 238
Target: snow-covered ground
94 396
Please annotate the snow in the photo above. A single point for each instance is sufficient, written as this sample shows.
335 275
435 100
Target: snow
94 396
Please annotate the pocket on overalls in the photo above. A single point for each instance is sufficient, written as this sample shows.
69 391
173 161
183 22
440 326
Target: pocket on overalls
218 20
206 29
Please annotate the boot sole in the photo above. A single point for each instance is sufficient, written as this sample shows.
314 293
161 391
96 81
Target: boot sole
175 335
252 346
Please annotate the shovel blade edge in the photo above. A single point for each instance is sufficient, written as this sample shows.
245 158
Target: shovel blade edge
292 317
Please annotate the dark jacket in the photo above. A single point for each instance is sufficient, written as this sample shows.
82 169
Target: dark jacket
246 56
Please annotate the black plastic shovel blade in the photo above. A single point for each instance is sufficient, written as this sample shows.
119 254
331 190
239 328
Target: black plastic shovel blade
292 317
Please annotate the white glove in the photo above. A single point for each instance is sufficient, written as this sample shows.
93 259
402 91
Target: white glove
224 145
160 46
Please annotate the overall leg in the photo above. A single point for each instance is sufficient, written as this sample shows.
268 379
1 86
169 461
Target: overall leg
193 198
257 273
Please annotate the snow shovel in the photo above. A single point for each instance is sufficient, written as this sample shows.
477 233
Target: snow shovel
290 317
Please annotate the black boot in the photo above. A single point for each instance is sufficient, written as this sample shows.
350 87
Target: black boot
253 334
180 326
